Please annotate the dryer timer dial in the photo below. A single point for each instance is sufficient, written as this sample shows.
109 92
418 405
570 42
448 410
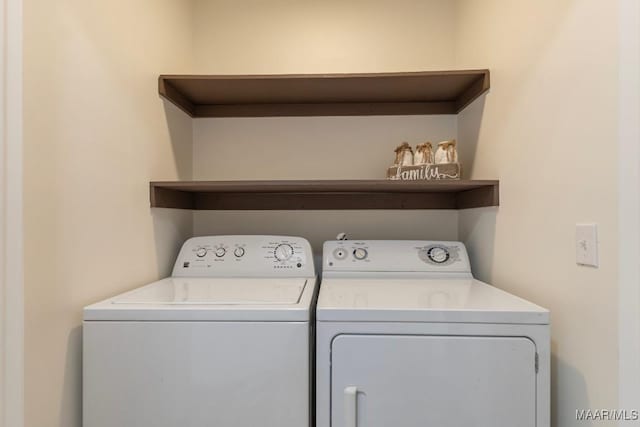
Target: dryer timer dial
360 253
438 254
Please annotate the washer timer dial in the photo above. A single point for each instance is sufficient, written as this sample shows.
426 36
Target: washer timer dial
283 252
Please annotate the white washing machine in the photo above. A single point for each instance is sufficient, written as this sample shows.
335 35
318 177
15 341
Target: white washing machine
225 341
407 337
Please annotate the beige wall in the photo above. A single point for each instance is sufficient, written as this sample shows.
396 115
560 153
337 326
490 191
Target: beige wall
548 131
316 37
95 134
292 36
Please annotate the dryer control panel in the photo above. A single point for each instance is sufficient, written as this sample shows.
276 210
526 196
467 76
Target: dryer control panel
422 256
245 256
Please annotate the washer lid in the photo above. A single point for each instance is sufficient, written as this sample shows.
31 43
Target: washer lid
270 299
423 300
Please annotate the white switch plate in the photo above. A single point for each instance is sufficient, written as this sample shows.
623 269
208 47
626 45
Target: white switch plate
587 244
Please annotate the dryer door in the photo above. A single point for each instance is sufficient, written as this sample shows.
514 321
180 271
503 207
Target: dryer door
439 381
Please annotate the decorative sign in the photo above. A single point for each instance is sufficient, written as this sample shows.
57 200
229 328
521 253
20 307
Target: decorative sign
425 164
425 172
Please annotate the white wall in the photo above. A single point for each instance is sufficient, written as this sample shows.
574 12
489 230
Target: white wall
11 217
548 131
629 203
318 37
95 135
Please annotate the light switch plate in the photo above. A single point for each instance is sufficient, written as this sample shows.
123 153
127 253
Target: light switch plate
587 244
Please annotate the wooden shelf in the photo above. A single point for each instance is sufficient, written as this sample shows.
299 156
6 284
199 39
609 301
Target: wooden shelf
430 92
322 195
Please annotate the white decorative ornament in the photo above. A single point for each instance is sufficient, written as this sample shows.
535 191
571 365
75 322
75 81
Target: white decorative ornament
404 155
446 152
424 154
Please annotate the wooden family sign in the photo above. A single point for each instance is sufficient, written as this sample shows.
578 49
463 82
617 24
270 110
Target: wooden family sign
425 172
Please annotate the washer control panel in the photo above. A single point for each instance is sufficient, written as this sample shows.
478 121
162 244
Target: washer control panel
245 256
395 256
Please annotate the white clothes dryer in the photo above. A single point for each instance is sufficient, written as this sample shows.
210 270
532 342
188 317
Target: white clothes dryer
407 337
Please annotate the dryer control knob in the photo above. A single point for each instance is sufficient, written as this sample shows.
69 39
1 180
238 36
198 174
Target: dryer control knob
238 252
201 252
220 252
360 253
340 253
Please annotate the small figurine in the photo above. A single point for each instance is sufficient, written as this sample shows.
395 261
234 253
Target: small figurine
446 152
404 155
424 154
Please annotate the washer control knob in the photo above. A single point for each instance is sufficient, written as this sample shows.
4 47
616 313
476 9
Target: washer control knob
220 252
283 252
360 253
238 252
201 252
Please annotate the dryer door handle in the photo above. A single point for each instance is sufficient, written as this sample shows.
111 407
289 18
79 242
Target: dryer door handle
351 406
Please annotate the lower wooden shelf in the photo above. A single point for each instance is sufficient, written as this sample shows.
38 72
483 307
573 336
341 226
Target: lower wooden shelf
324 194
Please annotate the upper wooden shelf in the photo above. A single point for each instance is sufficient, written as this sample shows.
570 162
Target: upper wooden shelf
331 194
429 92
